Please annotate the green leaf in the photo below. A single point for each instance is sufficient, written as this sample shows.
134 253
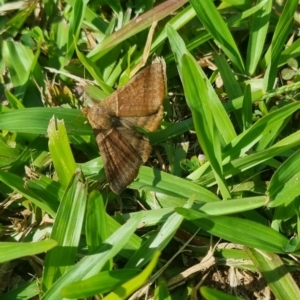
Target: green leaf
96 228
36 120
279 38
126 289
23 291
215 25
92 264
280 282
159 241
198 100
258 34
66 231
18 184
237 230
155 180
285 183
103 282
60 151
10 251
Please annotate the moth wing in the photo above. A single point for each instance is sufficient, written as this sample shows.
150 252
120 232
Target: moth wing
149 123
121 161
138 142
142 95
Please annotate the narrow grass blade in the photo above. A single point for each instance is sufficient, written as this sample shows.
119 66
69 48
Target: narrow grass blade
136 25
247 109
75 24
93 69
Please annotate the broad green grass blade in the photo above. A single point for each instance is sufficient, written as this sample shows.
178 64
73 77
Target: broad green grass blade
232 206
101 283
59 33
14 101
280 36
159 241
155 180
17 184
237 230
231 84
215 25
18 59
60 151
197 98
157 216
97 225
285 183
10 251
257 38
221 119
36 120
126 289
133 244
66 231
9 152
275 273
92 264
23 291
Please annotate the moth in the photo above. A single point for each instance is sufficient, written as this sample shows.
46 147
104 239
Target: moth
138 104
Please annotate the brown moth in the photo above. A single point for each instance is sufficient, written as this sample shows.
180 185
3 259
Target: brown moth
114 122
